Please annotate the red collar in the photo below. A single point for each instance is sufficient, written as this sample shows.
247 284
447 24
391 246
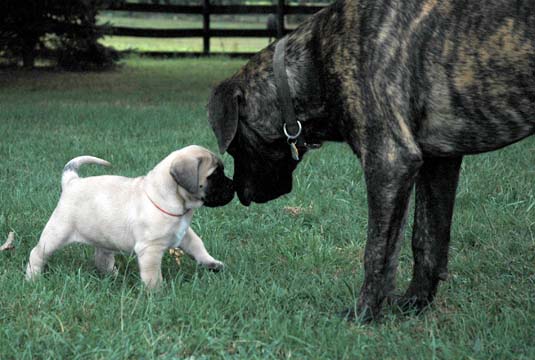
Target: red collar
162 210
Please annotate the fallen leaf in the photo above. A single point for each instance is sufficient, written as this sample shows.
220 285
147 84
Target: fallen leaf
293 210
296 210
177 254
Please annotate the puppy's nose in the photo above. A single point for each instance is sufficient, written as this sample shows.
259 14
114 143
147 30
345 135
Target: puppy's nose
230 185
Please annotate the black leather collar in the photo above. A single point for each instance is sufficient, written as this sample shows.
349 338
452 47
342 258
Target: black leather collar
292 127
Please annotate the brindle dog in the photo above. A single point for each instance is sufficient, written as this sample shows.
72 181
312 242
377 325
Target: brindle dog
411 86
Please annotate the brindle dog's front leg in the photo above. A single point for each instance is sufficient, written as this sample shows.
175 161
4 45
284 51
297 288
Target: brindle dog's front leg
390 176
436 185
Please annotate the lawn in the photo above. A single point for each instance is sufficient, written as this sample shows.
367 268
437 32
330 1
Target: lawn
291 264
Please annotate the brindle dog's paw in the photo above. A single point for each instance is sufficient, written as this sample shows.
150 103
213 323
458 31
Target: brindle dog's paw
358 316
411 304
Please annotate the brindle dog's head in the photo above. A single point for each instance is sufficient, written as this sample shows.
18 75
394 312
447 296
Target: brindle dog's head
246 118
262 161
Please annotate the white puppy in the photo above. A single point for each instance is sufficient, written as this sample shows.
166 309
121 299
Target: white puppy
145 215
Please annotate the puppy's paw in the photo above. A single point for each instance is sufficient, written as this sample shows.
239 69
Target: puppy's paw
32 273
31 276
214 265
114 272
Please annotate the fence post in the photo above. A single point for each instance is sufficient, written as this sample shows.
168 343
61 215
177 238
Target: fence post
280 19
206 26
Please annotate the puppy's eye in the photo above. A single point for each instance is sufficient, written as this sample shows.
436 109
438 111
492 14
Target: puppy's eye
200 186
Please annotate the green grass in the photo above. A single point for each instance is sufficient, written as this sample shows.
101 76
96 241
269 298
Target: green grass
217 45
287 275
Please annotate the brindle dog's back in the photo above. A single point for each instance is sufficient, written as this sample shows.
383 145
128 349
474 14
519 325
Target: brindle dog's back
459 73
480 69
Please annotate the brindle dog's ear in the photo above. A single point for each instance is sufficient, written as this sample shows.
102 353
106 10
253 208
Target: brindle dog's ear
223 112
185 171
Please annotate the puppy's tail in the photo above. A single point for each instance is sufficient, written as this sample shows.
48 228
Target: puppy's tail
70 171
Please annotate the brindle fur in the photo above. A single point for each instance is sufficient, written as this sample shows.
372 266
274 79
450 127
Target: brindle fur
411 86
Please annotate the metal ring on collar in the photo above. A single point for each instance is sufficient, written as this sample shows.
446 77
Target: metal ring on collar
293 137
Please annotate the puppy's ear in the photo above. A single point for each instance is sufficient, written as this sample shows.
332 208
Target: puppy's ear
223 112
185 171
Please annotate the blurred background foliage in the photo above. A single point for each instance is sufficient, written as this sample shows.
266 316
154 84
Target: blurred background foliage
70 34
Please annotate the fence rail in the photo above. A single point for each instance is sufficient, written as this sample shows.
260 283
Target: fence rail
206 9
217 9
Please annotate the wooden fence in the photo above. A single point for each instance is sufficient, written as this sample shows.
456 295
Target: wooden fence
206 10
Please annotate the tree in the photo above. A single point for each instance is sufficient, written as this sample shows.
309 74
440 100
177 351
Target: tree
66 28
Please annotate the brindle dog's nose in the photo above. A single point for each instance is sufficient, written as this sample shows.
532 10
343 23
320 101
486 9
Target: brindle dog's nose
245 195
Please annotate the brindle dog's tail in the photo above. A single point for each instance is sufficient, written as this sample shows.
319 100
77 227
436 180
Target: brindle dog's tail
70 171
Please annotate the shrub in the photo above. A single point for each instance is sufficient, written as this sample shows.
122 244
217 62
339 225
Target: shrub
66 29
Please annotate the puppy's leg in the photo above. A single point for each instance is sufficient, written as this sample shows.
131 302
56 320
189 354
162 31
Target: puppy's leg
105 261
193 245
55 235
150 265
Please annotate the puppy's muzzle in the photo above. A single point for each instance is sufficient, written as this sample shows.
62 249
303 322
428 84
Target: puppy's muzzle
220 192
